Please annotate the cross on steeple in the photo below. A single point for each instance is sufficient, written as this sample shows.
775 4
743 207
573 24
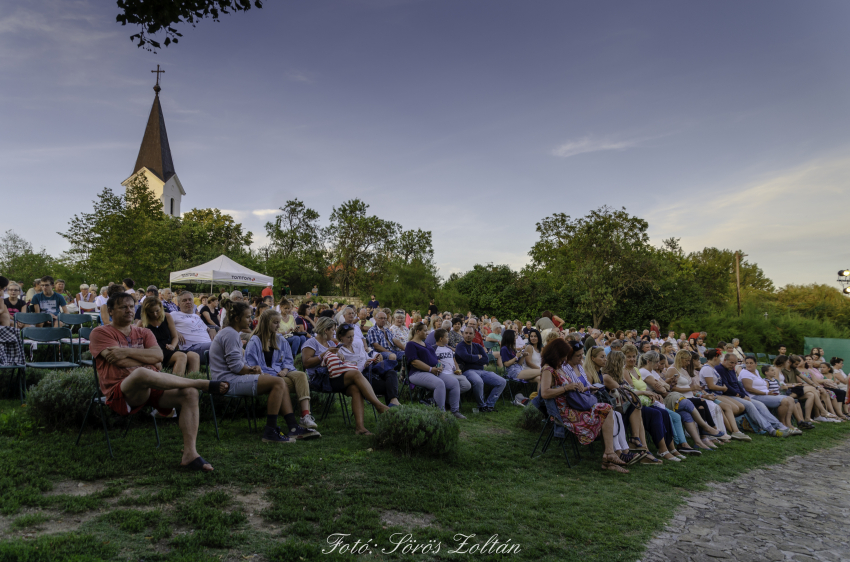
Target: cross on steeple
158 72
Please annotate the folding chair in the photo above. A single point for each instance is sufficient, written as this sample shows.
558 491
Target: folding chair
50 336
206 369
555 428
100 400
91 309
771 358
75 320
10 338
85 333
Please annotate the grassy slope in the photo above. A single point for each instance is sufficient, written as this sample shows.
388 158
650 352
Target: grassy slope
337 485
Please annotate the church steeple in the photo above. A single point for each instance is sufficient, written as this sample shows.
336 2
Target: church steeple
154 160
155 154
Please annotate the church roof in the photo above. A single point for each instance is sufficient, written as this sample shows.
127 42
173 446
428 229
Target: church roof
155 154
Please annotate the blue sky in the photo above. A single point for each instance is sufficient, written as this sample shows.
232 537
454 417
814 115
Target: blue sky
723 123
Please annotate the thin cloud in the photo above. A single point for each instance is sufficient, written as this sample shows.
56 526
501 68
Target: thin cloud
237 215
300 77
590 144
264 212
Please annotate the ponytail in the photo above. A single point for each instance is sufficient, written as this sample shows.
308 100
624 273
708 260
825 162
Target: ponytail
234 310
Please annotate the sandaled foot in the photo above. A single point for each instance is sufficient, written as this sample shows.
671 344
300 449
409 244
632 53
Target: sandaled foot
218 387
612 458
198 465
363 432
614 467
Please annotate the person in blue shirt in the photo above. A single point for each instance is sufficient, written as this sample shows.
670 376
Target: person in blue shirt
757 411
373 303
472 358
49 302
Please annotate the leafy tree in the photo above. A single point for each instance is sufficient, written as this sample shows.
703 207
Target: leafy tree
816 301
602 257
154 16
125 236
19 262
208 233
714 273
359 246
296 251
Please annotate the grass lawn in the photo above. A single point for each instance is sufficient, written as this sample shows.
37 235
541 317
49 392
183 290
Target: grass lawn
281 502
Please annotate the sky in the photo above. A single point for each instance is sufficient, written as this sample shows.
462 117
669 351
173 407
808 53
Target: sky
722 123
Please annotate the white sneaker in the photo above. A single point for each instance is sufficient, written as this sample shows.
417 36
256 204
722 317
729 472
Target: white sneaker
518 400
821 419
309 422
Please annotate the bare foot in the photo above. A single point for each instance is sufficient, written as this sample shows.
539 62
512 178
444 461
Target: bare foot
364 432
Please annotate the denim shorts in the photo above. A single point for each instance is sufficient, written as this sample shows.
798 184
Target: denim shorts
244 385
513 371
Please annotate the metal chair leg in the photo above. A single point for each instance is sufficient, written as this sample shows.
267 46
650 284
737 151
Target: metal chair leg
101 407
85 419
215 420
539 437
156 431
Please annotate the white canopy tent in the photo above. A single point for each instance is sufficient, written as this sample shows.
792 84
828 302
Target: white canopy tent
222 270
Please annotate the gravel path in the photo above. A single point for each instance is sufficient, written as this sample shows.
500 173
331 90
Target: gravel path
769 514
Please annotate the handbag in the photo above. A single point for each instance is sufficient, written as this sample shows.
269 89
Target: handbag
624 397
581 401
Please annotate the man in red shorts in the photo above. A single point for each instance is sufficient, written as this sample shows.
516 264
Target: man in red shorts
128 360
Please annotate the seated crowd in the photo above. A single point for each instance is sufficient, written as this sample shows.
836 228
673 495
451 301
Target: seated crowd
667 390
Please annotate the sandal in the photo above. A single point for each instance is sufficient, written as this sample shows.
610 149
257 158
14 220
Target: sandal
637 444
612 458
614 467
631 458
197 465
216 387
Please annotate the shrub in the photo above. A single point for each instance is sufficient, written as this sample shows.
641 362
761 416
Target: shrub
418 429
760 334
16 423
61 398
531 418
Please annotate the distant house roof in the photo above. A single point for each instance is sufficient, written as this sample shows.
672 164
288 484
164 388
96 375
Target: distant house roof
155 154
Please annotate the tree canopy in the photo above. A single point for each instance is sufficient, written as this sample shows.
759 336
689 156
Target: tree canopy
155 16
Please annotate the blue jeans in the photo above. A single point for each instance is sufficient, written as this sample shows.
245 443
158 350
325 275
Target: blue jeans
478 379
678 431
295 343
198 348
761 415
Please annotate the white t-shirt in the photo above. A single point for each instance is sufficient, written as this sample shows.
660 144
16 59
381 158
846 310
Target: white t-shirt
358 356
446 356
707 371
191 327
758 383
100 301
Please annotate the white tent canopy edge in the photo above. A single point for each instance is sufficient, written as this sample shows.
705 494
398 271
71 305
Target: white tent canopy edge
220 270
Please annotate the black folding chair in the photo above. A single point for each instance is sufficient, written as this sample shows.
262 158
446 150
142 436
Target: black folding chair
99 400
50 336
14 351
77 320
553 429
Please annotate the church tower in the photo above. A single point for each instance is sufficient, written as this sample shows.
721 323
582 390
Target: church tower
154 160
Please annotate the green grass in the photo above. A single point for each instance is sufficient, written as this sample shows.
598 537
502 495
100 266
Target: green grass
147 508
30 520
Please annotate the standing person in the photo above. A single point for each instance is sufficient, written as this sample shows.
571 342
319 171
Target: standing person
227 364
49 302
427 372
432 308
154 318
472 358
373 303
268 291
286 291
562 374
315 291
268 350
127 359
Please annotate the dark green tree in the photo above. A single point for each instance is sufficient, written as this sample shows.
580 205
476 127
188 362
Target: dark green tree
154 16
